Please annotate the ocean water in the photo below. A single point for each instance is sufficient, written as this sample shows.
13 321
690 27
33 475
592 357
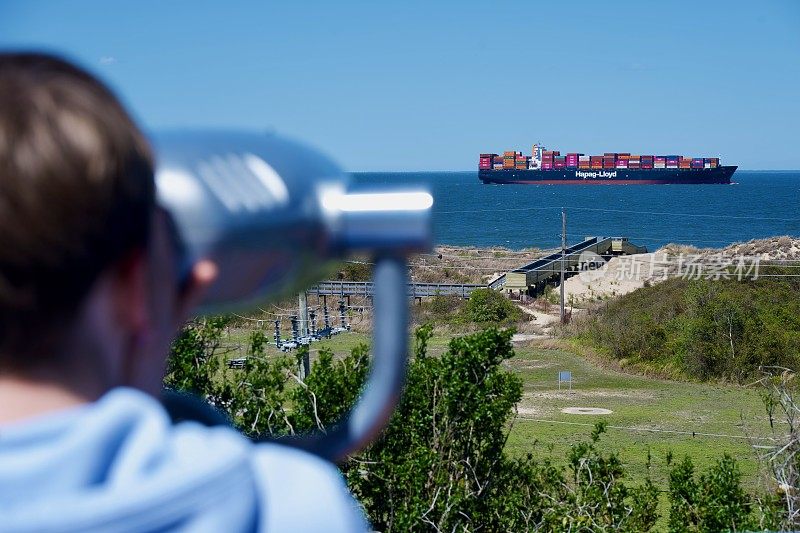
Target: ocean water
468 213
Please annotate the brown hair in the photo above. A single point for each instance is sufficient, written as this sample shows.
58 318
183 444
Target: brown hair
76 195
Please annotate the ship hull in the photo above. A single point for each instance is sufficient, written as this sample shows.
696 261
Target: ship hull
616 176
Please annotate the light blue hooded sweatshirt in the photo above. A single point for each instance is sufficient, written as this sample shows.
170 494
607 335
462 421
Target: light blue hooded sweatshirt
119 464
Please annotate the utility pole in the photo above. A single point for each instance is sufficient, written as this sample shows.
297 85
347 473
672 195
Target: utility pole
563 258
303 308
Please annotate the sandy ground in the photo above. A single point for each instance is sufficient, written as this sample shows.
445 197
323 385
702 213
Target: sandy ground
459 264
600 283
625 274
782 247
586 411
619 276
542 319
524 337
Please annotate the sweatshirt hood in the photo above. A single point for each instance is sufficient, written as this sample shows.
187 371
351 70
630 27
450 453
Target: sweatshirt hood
118 464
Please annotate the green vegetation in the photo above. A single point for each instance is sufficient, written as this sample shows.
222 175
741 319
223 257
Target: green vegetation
702 329
714 500
454 458
441 309
487 306
484 307
648 414
355 270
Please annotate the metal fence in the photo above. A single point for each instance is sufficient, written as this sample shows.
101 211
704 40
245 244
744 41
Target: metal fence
415 290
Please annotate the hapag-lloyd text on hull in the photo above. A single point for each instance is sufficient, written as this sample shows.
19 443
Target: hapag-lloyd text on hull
615 176
595 175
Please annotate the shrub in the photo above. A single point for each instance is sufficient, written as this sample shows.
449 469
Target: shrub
355 271
441 309
713 502
706 329
487 306
440 464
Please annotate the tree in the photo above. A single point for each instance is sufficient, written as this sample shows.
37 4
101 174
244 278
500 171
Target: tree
487 306
254 398
441 462
713 502
441 465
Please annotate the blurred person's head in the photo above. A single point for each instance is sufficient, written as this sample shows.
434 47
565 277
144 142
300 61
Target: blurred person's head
87 289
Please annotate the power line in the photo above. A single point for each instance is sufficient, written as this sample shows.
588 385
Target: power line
697 215
651 430
654 238
497 209
623 211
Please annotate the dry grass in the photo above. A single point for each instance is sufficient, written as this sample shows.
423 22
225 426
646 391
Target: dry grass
455 264
779 247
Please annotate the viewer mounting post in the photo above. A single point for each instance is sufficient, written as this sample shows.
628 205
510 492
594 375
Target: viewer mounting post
563 257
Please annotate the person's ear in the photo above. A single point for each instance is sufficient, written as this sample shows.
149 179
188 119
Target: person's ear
129 289
202 276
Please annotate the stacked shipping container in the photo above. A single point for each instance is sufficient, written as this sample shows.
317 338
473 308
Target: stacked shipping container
508 159
548 159
486 161
552 159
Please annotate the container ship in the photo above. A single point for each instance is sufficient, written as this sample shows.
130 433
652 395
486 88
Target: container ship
548 167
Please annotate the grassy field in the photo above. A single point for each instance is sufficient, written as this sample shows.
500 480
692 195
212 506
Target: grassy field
635 401
700 420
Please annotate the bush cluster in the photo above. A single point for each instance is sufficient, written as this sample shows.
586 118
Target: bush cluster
485 307
703 329
440 465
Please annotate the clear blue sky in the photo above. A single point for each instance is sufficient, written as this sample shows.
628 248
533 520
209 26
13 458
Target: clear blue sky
416 85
